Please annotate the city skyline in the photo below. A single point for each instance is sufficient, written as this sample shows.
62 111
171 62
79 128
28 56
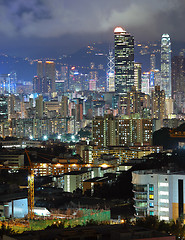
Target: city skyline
43 28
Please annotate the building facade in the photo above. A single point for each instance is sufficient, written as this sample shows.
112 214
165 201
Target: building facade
159 193
124 61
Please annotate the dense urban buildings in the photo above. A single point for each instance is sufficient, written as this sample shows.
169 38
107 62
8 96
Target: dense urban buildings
89 129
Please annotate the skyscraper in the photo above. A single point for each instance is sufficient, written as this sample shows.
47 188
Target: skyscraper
137 76
50 75
152 61
44 82
111 73
124 61
166 65
158 103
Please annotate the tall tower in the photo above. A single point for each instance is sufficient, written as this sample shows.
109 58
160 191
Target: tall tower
50 75
152 62
158 103
166 65
137 76
110 73
124 61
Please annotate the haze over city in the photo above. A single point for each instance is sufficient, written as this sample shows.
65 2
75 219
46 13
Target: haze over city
40 28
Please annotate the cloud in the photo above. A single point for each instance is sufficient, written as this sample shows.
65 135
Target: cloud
45 18
34 21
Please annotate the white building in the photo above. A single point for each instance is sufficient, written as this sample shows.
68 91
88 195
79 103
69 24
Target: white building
74 180
159 193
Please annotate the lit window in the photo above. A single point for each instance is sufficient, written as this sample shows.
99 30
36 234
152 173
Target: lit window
163 184
151 196
164 218
151 213
151 204
163 209
164 200
163 193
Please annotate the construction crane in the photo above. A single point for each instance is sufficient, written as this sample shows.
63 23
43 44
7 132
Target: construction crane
30 188
30 169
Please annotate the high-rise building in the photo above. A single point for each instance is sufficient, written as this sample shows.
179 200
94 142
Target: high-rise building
145 80
44 82
137 76
39 107
158 103
50 74
133 102
178 82
119 131
111 73
166 65
124 61
152 61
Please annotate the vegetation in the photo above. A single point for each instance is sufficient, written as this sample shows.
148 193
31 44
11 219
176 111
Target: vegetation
174 228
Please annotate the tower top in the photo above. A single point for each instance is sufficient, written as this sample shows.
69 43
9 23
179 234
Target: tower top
119 30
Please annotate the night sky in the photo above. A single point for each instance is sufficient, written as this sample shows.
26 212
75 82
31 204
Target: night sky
55 27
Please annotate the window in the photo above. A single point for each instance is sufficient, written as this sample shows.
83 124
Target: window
151 197
151 213
151 204
163 193
164 218
151 187
164 200
163 184
163 209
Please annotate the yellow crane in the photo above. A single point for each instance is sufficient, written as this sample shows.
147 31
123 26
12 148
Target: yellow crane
30 188
30 169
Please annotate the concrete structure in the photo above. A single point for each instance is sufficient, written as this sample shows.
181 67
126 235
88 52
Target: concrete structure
74 180
159 193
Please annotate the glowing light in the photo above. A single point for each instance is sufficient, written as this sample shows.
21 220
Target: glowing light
59 136
45 137
31 137
104 165
119 30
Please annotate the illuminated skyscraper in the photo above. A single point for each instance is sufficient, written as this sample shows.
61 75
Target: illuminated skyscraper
110 73
152 61
158 103
124 61
50 75
137 76
166 65
44 82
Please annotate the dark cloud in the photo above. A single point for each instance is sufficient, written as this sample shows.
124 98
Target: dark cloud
38 21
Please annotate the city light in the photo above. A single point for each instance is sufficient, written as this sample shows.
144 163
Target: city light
45 137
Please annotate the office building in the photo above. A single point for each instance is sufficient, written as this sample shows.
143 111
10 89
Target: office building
124 61
166 65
